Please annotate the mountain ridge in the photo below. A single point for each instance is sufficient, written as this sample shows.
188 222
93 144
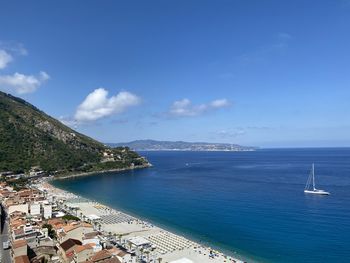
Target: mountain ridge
154 145
29 137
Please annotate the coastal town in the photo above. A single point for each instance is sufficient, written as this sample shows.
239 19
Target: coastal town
41 223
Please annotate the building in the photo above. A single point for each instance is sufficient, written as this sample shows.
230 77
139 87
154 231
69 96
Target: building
28 232
94 244
104 256
21 259
74 230
34 209
140 242
19 248
83 253
67 247
47 211
18 207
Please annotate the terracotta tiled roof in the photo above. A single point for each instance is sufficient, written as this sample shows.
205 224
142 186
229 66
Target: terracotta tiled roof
18 214
91 235
55 221
18 231
101 255
17 225
14 218
70 254
57 225
79 249
19 243
69 228
22 259
117 251
86 224
24 193
110 260
5 193
74 225
122 253
69 243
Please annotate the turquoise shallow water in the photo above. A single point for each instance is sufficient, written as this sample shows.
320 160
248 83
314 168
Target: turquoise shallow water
249 202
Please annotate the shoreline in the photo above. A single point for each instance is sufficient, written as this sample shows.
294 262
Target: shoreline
201 246
136 167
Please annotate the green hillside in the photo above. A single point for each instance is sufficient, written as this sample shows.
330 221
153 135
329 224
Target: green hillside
29 137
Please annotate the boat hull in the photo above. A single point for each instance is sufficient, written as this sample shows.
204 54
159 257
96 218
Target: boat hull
316 192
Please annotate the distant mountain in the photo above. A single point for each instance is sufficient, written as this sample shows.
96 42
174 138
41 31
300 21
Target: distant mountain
152 145
29 137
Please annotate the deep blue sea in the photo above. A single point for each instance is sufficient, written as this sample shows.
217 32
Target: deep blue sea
250 203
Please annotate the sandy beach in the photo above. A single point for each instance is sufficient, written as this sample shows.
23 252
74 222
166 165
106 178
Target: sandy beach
166 245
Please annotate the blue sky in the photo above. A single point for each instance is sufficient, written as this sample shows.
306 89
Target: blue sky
264 73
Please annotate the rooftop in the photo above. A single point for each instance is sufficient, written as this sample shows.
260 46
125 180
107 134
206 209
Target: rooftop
69 243
101 255
79 249
139 241
19 243
22 259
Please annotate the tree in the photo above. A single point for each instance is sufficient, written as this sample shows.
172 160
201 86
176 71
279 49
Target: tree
70 217
120 238
141 251
130 245
147 253
50 230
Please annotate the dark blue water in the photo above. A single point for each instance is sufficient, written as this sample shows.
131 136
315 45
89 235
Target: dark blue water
249 202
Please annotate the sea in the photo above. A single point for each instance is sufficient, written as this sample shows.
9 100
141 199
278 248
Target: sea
247 204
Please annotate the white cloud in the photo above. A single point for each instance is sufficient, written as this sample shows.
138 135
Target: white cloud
219 103
97 105
18 83
8 50
184 107
14 47
5 58
21 83
19 49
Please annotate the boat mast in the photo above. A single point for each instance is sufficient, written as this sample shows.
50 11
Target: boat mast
313 176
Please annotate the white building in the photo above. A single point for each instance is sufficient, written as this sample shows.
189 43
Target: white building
20 208
47 211
35 209
139 242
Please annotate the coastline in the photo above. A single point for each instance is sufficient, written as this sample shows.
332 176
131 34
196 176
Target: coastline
201 249
101 172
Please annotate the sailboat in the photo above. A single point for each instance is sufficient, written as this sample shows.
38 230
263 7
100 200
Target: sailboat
310 187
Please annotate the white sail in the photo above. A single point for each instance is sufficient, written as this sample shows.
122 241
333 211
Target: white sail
311 182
